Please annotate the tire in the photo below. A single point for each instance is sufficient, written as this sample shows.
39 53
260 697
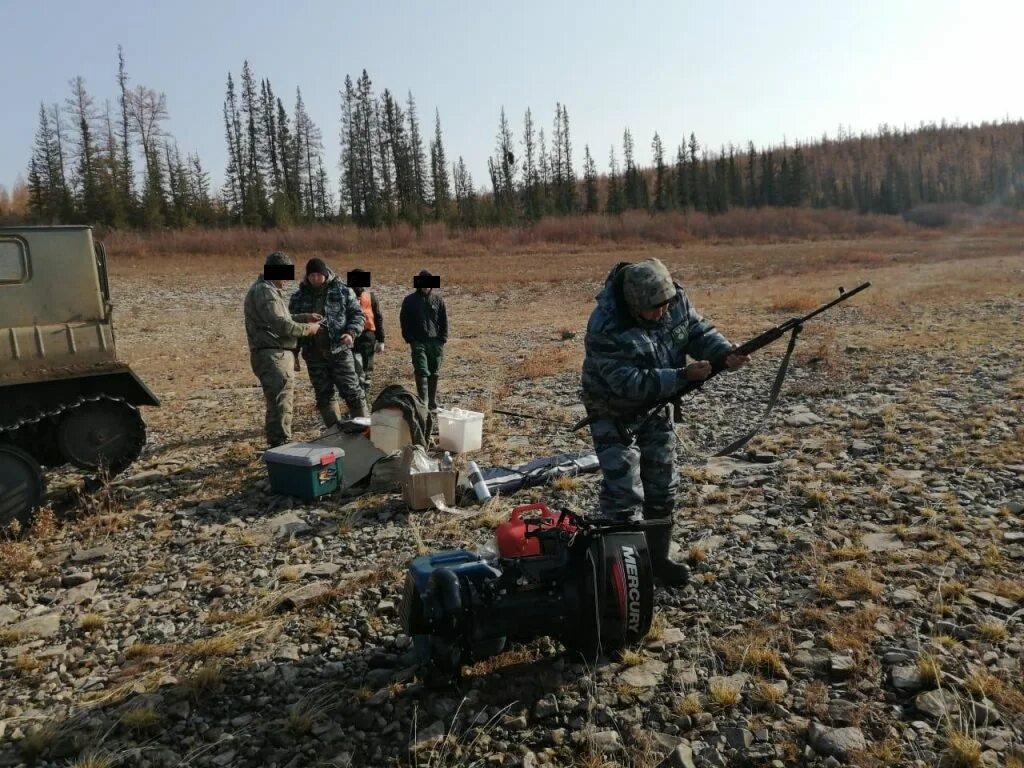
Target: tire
22 487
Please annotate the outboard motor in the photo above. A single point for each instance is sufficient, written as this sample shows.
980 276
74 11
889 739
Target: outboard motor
588 583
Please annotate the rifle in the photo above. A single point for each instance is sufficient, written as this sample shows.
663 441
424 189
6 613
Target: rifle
792 326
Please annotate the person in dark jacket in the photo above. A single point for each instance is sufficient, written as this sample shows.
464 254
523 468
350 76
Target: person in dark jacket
371 341
638 339
424 321
328 354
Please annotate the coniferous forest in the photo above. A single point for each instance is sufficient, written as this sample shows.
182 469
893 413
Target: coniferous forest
118 165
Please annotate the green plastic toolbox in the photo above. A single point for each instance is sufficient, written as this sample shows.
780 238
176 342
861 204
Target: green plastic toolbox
306 470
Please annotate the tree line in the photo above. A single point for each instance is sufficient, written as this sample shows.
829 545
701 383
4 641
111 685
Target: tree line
119 166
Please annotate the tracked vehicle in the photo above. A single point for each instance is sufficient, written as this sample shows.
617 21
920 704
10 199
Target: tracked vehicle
65 397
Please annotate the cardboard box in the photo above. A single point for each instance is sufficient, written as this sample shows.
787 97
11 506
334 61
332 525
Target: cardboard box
419 487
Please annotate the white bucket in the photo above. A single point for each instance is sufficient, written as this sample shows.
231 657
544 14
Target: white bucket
459 431
389 430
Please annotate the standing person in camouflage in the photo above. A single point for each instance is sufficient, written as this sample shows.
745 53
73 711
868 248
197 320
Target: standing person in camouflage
371 341
638 339
328 355
424 321
273 333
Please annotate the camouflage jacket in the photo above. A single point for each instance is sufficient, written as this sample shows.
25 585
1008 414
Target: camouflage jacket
630 362
341 311
268 323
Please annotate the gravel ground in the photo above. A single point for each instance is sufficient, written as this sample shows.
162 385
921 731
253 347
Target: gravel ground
857 594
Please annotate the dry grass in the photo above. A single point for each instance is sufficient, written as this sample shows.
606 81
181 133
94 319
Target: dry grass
16 560
148 651
9 637
930 669
93 759
962 750
91 621
993 631
690 704
289 573
723 695
657 631
210 647
27 664
983 683
765 695
752 650
551 361
207 679
511 658
696 555
141 718
566 483
631 658
816 699
855 632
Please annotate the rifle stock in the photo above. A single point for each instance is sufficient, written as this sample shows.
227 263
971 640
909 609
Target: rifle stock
760 341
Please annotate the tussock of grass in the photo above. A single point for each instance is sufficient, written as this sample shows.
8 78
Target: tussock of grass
9 637
657 630
993 631
289 573
764 694
92 621
208 647
930 669
147 651
204 682
723 695
631 658
696 555
566 483
962 750
93 760
984 684
141 718
690 704
507 659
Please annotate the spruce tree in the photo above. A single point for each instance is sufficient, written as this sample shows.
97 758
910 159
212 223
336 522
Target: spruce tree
439 172
589 181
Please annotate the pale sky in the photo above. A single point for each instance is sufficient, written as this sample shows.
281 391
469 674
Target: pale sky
728 70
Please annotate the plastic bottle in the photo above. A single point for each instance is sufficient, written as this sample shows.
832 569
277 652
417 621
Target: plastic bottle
447 464
477 481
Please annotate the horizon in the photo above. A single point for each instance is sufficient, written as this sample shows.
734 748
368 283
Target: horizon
867 91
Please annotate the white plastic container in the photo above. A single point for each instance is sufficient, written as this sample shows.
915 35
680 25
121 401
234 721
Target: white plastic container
460 431
389 430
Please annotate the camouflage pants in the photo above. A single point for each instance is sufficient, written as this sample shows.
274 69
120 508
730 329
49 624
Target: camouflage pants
275 370
639 477
331 376
363 358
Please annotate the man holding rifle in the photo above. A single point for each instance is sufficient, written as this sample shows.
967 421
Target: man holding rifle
638 340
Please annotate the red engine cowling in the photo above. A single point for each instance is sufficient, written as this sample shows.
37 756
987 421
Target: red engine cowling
512 536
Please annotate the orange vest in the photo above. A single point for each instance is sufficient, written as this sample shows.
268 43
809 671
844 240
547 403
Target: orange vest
367 305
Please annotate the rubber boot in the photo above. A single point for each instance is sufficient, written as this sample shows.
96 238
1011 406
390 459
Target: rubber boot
666 570
432 384
356 408
329 413
421 388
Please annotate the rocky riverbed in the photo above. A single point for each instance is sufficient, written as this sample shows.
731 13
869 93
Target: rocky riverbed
857 597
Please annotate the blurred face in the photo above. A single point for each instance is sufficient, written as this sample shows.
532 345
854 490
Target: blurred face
316 279
655 313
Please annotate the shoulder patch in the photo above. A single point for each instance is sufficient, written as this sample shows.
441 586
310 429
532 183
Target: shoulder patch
681 333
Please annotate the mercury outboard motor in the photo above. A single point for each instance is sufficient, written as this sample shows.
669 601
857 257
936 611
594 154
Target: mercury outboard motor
586 582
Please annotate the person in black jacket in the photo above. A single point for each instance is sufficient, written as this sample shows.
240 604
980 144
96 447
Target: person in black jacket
424 321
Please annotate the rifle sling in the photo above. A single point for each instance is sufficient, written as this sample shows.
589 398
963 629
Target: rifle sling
773 397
